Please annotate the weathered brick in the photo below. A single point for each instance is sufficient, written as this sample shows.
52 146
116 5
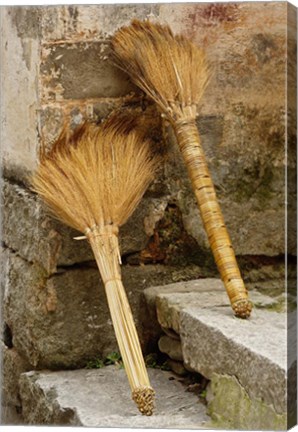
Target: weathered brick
90 22
81 70
52 118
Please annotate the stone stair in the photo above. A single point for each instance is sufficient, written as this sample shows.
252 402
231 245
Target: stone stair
101 398
245 360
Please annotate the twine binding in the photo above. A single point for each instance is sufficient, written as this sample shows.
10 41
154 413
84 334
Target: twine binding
144 398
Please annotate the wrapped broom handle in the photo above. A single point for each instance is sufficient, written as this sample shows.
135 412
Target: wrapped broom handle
193 154
105 247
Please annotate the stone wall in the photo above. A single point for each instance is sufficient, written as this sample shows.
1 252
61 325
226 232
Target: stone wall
55 69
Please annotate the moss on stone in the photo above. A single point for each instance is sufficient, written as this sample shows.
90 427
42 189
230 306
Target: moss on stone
230 407
280 304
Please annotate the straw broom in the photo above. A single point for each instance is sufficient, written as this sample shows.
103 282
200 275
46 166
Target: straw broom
173 72
93 181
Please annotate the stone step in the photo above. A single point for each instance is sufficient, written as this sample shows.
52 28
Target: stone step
101 398
168 301
248 357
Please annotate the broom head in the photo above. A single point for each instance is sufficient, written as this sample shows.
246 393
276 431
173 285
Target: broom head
167 67
97 175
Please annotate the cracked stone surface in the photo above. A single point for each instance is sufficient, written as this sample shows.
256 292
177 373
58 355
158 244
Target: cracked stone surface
102 398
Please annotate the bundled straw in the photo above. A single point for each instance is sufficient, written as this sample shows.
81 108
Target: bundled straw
93 181
174 73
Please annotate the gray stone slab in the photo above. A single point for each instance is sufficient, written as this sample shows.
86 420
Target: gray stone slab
216 344
169 306
164 301
101 398
207 293
254 350
197 285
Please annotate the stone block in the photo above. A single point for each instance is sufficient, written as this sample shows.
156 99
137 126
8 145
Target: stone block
170 300
250 356
185 287
177 367
151 293
101 398
254 350
171 347
62 321
81 70
163 301
170 305
29 230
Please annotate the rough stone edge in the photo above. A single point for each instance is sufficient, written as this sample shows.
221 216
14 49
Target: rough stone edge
47 407
260 361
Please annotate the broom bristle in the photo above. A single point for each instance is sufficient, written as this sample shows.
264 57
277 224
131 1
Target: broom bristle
170 69
96 176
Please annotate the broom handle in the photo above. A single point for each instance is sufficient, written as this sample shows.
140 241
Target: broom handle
193 154
125 328
129 345
106 252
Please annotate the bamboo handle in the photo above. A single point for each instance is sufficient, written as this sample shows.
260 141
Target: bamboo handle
193 154
106 251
